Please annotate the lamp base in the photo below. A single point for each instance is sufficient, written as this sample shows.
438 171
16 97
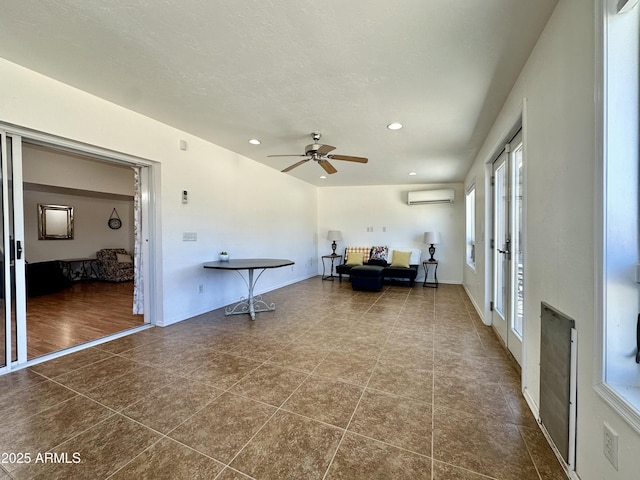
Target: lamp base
333 247
432 251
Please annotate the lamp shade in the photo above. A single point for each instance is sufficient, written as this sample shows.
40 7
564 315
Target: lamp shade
334 235
432 237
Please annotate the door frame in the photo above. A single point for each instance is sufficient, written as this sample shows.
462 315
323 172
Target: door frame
150 173
514 238
13 235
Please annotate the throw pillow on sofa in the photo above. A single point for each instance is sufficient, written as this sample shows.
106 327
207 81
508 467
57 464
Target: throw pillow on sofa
123 258
355 255
355 259
400 259
379 253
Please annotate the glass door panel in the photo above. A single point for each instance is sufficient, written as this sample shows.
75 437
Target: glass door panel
5 327
501 244
13 264
508 251
8 169
517 245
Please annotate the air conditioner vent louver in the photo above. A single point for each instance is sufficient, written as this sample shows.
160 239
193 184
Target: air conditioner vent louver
430 197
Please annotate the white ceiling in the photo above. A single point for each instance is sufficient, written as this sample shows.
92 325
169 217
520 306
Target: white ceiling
229 70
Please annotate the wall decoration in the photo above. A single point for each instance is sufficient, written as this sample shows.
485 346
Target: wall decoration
114 220
55 222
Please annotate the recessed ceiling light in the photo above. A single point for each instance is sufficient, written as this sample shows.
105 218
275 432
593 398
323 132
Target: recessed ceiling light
394 126
255 141
323 177
412 173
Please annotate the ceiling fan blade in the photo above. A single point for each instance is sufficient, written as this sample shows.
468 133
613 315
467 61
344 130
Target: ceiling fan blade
297 164
349 158
327 166
286 155
324 149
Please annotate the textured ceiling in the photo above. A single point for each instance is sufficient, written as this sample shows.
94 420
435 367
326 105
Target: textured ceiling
229 70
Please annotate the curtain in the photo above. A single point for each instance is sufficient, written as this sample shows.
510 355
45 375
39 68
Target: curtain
138 280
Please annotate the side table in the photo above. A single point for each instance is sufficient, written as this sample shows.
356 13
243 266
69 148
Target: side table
427 265
88 268
333 258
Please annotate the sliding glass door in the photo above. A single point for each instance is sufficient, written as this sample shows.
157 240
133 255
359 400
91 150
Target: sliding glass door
13 330
35 152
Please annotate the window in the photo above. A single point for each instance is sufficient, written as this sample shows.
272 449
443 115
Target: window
470 203
618 298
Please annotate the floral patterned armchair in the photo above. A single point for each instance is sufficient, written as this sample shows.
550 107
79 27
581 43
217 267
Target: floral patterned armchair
115 265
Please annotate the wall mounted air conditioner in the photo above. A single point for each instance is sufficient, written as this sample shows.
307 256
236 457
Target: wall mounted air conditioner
430 196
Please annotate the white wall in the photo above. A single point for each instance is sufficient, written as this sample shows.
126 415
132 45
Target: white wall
92 187
558 83
91 232
352 209
235 203
44 166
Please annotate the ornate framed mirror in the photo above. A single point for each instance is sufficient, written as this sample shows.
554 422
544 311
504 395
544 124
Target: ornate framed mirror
55 222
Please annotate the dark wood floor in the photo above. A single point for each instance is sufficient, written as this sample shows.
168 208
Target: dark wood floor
84 312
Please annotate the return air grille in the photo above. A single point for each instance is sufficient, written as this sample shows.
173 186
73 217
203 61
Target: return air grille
557 378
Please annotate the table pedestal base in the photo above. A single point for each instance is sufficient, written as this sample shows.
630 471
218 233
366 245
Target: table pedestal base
250 306
253 303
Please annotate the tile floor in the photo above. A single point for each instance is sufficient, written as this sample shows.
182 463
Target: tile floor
335 384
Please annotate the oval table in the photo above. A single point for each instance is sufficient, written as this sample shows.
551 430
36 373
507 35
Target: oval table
251 304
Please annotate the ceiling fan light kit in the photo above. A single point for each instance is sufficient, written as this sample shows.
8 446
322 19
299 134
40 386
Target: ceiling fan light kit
320 154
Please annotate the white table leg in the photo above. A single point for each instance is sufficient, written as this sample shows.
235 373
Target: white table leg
252 309
251 304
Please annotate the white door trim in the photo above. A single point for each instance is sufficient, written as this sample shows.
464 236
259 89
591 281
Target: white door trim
150 215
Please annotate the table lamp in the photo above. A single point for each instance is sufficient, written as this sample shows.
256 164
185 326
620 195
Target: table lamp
432 238
334 236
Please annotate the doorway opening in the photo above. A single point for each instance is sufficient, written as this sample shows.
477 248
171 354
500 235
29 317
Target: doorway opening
70 298
61 289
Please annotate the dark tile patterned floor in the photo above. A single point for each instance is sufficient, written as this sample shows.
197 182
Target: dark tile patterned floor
406 383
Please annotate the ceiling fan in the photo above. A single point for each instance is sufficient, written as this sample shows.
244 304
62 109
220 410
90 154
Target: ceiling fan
320 153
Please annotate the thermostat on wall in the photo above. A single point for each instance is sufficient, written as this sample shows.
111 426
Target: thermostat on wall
185 198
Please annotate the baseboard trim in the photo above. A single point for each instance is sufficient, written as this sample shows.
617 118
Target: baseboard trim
228 302
532 403
571 474
475 305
